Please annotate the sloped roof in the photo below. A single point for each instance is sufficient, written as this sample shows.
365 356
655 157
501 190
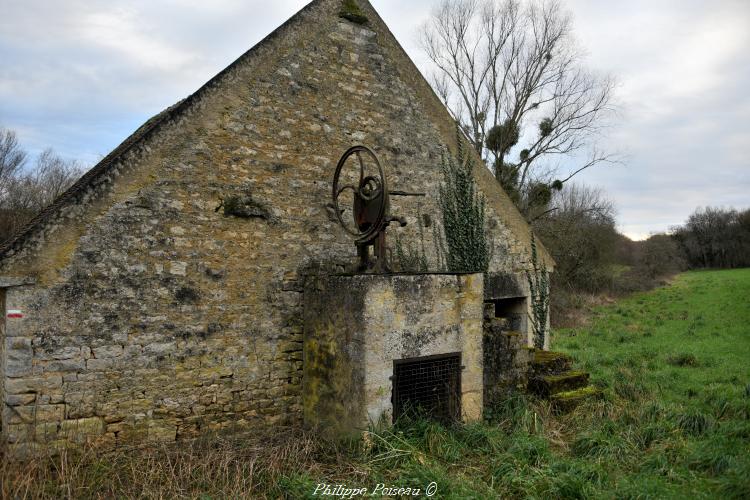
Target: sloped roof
100 172
101 169
87 179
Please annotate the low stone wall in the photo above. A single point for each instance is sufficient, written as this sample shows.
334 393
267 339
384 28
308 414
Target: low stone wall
507 358
356 326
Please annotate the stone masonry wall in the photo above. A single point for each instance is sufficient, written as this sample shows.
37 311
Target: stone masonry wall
357 325
151 315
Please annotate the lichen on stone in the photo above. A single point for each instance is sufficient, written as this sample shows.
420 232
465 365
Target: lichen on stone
351 12
245 207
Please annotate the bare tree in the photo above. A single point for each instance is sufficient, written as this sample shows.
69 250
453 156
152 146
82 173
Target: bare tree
580 233
510 72
12 158
53 176
715 237
660 255
25 191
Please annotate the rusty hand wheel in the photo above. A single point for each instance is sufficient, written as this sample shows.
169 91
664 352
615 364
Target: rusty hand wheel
370 196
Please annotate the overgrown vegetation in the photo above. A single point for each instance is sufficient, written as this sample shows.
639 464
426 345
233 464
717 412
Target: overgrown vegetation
462 207
593 260
666 428
539 290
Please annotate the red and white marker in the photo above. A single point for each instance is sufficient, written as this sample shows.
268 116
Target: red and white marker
14 313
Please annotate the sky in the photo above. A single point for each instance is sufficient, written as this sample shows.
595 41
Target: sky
81 75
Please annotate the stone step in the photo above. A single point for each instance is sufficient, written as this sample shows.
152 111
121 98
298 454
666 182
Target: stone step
547 385
549 363
563 402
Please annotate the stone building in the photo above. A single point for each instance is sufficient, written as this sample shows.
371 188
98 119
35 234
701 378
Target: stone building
136 308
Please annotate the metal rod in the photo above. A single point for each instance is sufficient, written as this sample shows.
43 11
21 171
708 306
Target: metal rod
406 193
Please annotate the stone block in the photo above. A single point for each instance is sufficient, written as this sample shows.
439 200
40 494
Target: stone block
18 356
81 430
132 351
161 431
178 268
133 432
46 431
58 353
102 364
15 433
47 382
160 348
108 351
20 399
33 414
65 365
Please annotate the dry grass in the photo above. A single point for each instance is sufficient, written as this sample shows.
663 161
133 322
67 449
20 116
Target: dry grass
570 309
211 467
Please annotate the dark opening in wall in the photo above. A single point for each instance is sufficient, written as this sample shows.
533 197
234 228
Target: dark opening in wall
428 387
514 311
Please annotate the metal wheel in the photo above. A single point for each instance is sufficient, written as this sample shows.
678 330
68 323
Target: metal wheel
370 193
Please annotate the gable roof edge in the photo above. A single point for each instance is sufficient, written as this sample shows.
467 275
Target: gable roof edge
141 134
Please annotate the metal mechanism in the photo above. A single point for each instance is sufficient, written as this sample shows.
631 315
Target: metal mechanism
428 387
370 206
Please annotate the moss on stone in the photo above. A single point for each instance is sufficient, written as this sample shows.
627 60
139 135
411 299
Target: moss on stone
564 376
351 12
548 356
549 385
583 392
549 362
244 207
566 401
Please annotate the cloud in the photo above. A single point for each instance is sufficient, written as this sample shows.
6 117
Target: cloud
80 75
684 72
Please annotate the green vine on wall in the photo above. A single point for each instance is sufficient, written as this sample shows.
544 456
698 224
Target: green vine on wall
539 296
466 247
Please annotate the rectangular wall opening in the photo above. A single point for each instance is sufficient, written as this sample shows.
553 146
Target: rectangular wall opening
514 310
428 387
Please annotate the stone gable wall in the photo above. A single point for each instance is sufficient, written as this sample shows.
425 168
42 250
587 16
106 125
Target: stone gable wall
153 316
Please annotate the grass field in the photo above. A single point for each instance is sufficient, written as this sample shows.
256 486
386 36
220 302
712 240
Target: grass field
674 365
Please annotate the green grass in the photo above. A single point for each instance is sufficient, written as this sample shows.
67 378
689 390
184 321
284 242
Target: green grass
676 361
674 366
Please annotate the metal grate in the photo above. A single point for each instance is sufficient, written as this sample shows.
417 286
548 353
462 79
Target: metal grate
428 386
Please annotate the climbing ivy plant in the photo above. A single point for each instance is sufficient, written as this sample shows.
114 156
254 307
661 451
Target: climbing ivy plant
466 248
538 280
